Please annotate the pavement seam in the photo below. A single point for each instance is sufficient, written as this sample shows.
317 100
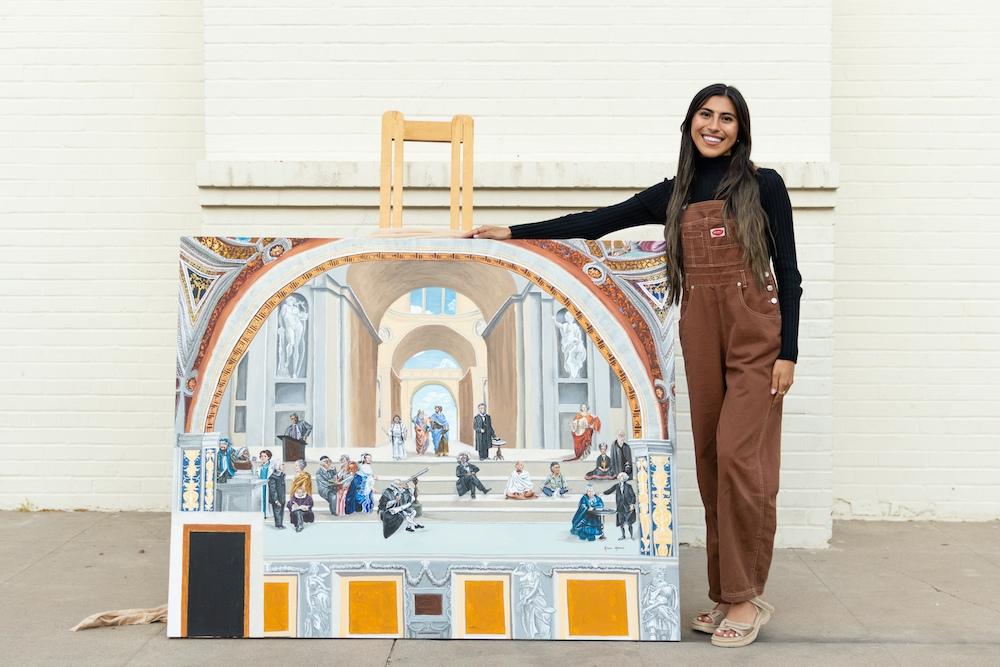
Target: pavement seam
833 592
36 561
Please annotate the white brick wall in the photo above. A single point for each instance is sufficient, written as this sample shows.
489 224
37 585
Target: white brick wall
549 80
102 106
917 320
100 126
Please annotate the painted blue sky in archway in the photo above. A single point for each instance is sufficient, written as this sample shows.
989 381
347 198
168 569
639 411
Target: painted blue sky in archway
435 394
430 359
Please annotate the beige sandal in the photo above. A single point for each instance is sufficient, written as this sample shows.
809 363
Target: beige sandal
717 617
746 633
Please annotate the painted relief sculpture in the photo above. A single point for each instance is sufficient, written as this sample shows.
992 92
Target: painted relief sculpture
337 401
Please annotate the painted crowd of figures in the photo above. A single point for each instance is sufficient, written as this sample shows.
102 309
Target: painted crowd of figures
347 487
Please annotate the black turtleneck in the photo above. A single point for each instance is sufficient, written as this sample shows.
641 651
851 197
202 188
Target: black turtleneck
650 207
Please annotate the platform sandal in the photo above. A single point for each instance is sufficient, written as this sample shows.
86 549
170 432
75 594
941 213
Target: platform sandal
717 617
746 633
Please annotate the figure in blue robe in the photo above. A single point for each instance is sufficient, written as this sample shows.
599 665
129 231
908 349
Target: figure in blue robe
439 431
224 468
586 524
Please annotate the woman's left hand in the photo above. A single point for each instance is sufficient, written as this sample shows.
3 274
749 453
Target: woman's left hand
782 376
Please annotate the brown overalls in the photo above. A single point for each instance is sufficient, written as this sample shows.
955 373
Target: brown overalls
730 332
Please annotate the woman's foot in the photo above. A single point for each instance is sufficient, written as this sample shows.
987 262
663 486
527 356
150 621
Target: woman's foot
740 612
742 624
709 621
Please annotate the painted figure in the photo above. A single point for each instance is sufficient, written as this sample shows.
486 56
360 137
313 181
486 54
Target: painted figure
660 609
624 504
587 524
574 352
483 425
224 467
364 495
298 429
439 431
397 438
292 317
519 486
621 456
421 430
395 508
555 483
300 509
345 478
302 479
603 468
584 425
326 482
263 472
276 494
467 479
536 614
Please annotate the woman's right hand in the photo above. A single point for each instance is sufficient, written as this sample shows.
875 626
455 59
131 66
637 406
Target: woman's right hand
487 232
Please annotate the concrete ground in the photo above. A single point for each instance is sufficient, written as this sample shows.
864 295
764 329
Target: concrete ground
883 594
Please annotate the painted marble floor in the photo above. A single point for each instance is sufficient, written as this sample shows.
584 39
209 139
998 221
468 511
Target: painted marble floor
442 540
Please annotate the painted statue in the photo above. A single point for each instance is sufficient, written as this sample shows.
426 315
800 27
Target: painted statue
574 352
292 316
536 614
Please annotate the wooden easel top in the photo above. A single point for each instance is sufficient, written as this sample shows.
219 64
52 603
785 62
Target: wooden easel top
396 130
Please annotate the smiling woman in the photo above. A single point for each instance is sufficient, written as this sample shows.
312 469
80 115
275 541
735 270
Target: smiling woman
725 221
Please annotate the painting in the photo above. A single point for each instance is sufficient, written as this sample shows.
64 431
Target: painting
424 437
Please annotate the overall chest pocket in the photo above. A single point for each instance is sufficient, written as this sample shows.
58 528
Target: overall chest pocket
757 301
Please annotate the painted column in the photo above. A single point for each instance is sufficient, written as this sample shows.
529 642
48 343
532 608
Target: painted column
654 481
195 454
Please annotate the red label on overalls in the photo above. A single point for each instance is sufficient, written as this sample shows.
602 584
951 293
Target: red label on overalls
717 232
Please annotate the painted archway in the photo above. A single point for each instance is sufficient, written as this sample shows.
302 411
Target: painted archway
622 339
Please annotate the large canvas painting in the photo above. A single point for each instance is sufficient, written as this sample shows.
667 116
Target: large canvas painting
424 437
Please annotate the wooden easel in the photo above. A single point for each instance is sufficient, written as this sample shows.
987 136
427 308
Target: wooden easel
395 131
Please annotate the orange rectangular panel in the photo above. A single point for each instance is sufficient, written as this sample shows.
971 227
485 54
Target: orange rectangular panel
372 608
597 607
484 608
275 606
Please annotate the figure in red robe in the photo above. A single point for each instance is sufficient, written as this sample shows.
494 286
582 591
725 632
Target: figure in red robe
584 425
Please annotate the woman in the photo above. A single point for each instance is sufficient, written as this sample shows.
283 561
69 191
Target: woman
603 468
365 487
587 525
345 480
300 509
421 425
725 220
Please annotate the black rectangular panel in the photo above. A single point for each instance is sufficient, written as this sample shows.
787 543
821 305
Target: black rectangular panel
215 594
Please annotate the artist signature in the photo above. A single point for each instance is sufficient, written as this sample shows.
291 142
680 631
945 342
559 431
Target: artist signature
610 548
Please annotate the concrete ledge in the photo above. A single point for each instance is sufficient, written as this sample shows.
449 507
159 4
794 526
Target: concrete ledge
538 184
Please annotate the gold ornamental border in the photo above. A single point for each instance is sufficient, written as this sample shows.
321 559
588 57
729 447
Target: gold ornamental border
257 321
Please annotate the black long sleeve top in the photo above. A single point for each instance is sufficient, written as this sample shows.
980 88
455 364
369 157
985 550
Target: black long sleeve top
650 207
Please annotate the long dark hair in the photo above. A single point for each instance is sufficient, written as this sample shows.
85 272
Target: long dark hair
739 189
